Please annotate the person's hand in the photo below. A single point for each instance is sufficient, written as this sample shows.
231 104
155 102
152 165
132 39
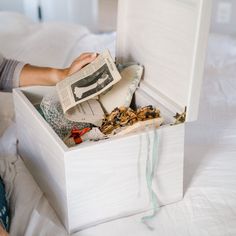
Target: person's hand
80 62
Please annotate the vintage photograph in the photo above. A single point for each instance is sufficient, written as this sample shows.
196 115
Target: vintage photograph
91 84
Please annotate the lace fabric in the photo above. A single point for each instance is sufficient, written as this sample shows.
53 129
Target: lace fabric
53 114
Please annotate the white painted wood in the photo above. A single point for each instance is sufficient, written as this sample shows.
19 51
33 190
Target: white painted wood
197 67
108 180
107 15
43 153
100 181
97 182
169 38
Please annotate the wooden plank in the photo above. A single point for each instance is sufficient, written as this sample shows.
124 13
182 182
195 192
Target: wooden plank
108 180
42 154
169 38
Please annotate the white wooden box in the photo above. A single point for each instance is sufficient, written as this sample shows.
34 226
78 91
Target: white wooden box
98 182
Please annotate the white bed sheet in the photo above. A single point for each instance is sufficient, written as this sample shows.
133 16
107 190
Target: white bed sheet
209 204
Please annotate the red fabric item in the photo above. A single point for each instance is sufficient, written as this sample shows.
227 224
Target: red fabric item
77 134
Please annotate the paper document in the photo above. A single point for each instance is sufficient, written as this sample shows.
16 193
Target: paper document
76 91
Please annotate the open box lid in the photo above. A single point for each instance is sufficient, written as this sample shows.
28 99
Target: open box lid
168 37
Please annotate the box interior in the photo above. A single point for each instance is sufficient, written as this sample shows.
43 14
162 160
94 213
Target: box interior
35 95
173 71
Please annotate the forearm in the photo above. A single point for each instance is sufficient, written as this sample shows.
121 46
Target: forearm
34 75
14 73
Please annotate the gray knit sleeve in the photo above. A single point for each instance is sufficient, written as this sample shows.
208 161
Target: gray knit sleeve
9 73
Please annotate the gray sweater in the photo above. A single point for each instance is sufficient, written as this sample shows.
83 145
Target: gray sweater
9 73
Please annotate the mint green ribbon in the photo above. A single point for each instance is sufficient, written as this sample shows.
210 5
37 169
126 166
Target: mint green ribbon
150 172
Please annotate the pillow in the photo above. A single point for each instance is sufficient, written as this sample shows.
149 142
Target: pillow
121 93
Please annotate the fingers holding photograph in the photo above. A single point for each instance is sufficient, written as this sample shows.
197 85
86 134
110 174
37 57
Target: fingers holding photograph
92 80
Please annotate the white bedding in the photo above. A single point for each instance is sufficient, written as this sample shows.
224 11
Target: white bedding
209 204
48 44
